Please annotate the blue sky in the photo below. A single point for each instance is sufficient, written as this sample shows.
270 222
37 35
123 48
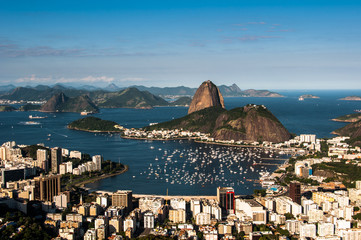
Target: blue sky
255 44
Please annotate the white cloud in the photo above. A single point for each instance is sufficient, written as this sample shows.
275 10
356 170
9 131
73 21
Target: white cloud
33 78
133 79
97 79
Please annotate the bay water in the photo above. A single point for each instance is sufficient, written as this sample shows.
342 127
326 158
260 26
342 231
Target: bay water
192 168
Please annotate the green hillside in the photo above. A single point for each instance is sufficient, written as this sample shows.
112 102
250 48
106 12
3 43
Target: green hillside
94 124
251 122
130 98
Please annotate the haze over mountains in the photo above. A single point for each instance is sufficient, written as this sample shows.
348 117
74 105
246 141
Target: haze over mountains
61 98
43 92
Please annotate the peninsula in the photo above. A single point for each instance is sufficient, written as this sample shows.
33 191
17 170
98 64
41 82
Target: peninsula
6 108
354 117
351 130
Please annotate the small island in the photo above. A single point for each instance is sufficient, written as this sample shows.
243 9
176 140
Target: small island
94 124
30 107
351 98
6 108
309 96
348 118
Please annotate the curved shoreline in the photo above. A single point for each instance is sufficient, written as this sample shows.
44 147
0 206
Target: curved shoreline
92 131
92 180
156 139
351 120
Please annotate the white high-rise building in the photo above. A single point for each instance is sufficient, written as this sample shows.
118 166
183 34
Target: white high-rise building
350 234
293 226
326 229
308 230
178 203
102 201
195 207
206 207
62 169
203 219
75 154
342 224
149 220
42 155
309 138
315 215
97 159
61 201
216 212
308 205
129 222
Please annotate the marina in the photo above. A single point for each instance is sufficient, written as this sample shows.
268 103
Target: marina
208 164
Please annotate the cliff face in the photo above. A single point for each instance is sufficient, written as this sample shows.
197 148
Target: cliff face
61 103
250 123
352 130
207 95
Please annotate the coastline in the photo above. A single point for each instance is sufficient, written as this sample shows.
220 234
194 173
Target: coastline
352 120
95 179
156 139
92 131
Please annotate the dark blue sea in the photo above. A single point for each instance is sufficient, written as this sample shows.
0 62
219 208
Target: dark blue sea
191 168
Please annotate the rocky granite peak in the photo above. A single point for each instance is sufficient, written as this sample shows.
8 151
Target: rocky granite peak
207 95
52 104
61 103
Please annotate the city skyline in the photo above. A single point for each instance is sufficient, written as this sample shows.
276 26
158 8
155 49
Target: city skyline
255 44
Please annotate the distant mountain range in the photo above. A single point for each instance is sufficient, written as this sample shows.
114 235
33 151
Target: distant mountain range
69 99
43 92
227 91
127 98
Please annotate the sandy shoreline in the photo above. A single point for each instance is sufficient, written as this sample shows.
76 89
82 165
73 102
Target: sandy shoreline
92 180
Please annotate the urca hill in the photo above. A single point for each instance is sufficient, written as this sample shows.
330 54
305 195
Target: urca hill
251 122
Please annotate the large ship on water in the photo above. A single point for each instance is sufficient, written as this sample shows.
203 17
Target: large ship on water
37 117
30 123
